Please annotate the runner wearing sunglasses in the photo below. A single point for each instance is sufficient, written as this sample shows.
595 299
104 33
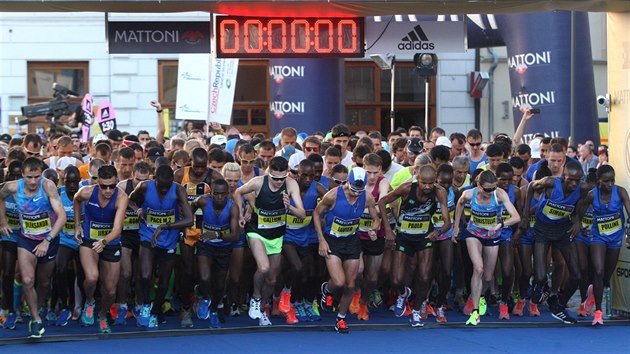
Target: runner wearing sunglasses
99 236
270 195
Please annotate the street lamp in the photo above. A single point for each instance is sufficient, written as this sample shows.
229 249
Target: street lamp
387 62
426 66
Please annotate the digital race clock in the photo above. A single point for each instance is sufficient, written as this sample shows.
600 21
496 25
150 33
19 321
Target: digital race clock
264 37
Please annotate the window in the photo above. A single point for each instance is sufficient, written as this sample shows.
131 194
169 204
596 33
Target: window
167 92
250 113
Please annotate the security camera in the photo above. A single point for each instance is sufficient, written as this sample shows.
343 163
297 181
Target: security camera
604 100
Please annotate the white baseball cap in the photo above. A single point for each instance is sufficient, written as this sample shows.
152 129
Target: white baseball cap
219 140
534 144
442 140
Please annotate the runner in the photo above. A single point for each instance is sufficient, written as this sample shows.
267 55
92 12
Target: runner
339 242
608 201
42 217
270 195
214 248
161 201
482 235
415 236
99 236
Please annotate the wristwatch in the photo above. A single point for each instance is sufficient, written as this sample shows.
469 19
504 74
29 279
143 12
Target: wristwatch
49 239
501 223
104 242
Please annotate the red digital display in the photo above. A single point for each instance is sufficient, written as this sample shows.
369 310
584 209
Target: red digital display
268 37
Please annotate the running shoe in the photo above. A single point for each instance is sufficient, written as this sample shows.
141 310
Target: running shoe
254 308
221 312
186 321
275 306
426 309
581 312
441 315
203 312
310 312
214 320
518 308
300 312
3 318
103 326
326 302
161 317
377 299
244 308
121 315
284 305
51 317
533 310
364 314
401 302
18 318
474 319
76 313
153 321
64 317
341 326
504 313
540 293
144 317
87 316
315 307
10 321
459 300
234 310
408 309
355 307
483 306
590 301
36 329
263 320
290 316
598 318
469 306
558 312
416 319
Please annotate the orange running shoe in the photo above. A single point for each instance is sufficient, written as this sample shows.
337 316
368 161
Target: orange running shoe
504 313
276 307
518 308
598 318
469 306
290 315
364 314
284 305
408 310
533 310
590 301
440 314
355 307
266 309
113 311
582 311
425 310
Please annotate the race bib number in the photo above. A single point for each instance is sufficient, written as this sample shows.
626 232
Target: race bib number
438 220
223 230
106 117
68 227
156 218
467 209
365 222
609 224
555 211
483 220
343 228
415 224
295 223
532 220
36 224
98 230
131 221
587 220
13 219
390 215
271 219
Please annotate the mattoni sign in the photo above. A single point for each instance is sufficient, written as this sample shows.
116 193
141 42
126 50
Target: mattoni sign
158 37
404 39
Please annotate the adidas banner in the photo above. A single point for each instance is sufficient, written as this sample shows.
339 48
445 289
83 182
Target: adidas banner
404 39
539 60
294 101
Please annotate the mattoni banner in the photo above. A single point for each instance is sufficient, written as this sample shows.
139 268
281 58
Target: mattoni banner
158 37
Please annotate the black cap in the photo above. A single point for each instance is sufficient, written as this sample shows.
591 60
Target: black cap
154 153
114 135
415 145
5 138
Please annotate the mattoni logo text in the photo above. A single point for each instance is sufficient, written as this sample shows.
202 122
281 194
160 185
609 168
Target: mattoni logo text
280 108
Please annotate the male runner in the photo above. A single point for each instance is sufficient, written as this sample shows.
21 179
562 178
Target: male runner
99 237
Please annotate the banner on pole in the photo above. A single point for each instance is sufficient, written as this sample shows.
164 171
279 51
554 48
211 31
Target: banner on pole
222 86
193 87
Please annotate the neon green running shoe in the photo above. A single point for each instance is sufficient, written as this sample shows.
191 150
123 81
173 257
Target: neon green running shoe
316 308
483 306
474 319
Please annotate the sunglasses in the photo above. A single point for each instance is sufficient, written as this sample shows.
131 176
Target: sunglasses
247 162
339 181
489 190
356 190
278 178
311 149
32 153
107 186
474 144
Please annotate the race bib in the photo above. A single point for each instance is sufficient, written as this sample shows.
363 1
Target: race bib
36 224
415 224
587 221
365 222
68 227
532 220
467 209
13 219
295 223
131 221
390 215
609 224
438 220
343 228
156 218
271 219
98 230
223 230
483 220
555 211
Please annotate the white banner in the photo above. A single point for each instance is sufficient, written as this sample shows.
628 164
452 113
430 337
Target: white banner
404 39
193 86
222 85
